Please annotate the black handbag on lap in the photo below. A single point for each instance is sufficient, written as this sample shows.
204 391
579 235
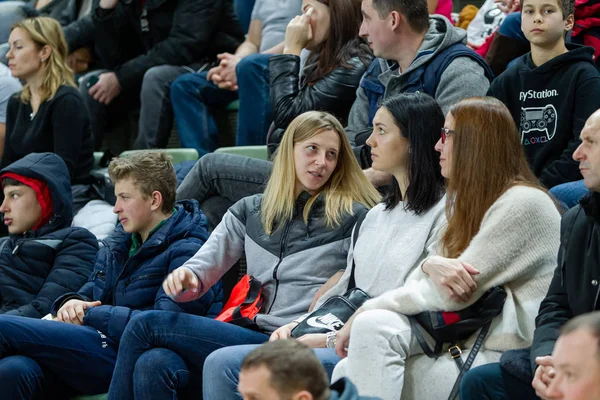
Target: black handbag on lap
337 310
458 326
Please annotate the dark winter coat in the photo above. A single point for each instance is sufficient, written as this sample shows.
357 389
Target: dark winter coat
39 266
575 287
132 38
127 285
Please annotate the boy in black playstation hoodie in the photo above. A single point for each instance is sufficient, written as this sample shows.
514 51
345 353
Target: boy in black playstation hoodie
551 91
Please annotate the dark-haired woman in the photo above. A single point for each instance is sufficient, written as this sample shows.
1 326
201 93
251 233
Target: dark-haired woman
328 29
337 58
503 230
395 235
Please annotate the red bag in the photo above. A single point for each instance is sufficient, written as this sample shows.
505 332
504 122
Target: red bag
244 303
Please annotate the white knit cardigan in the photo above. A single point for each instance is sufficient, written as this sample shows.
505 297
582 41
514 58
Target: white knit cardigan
516 247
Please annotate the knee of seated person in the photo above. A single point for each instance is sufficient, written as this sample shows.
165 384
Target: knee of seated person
16 369
249 65
153 76
223 362
141 322
369 321
474 381
159 361
207 163
511 26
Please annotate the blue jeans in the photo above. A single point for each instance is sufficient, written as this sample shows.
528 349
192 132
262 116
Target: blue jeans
222 369
193 97
570 193
243 12
511 27
490 382
161 355
38 357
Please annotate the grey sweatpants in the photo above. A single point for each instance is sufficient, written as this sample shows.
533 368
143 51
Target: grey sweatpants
385 360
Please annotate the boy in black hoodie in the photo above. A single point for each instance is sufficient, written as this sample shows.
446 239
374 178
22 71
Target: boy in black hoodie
551 91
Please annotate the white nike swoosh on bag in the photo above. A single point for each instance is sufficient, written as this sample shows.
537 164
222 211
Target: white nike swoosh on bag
327 321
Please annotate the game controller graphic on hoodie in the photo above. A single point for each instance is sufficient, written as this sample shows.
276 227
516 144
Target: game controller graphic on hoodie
541 119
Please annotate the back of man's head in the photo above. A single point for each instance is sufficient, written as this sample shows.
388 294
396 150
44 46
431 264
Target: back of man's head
414 11
149 171
284 370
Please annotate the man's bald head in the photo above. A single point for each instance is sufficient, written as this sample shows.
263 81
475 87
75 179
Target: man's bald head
588 152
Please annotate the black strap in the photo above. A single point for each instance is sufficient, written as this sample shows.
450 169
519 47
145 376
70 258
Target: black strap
464 367
359 221
455 352
429 352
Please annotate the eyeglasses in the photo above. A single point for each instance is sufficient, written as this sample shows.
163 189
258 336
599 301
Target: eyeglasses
446 133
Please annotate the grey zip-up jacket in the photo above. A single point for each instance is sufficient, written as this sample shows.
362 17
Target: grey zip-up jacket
291 263
462 78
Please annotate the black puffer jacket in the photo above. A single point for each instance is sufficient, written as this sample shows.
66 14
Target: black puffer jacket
575 287
39 266
291 95
176 32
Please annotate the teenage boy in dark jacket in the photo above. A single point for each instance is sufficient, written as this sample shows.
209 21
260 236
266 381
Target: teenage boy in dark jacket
76 352
551 91
574 290
43 257
148 44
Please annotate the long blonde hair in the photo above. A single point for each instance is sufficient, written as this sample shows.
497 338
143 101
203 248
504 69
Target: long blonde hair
45 31
346 185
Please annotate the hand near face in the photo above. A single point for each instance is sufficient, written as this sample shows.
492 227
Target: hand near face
182 285
508 6
298 33
106 89
73 311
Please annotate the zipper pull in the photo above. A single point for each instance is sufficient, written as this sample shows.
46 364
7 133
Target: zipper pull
16 249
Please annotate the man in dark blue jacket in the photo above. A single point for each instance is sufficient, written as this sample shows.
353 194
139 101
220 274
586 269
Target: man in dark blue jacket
76 352
288 369
43 257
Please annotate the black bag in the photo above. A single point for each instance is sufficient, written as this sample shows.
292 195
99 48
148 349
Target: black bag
337 310
332 315
455 327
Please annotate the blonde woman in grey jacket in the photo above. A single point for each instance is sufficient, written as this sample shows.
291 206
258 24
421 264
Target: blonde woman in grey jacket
295 236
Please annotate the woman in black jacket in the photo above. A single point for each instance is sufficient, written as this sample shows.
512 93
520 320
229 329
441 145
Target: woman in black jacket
48 115
338 57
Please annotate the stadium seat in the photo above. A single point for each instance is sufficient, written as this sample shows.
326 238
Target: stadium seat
259 152
94 397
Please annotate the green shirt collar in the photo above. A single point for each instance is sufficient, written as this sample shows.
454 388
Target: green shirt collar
136 238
